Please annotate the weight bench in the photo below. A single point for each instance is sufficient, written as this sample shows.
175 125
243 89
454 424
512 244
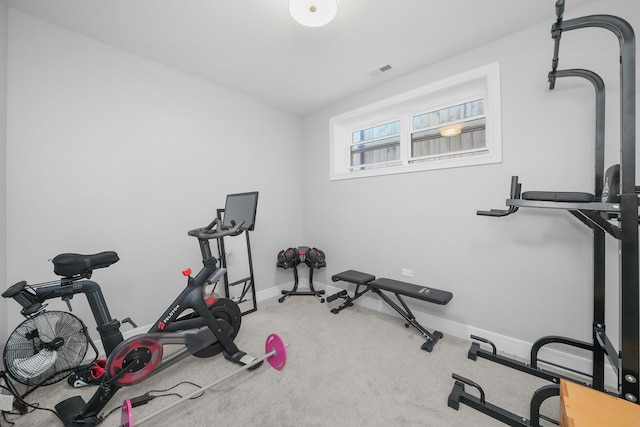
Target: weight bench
399 289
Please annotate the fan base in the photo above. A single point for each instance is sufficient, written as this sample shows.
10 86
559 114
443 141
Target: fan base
69 408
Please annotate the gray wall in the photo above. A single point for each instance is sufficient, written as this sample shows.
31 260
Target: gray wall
4 21
108 151
513 279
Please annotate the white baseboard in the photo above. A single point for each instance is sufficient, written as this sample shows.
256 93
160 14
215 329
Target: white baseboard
521 349
272 292
504 344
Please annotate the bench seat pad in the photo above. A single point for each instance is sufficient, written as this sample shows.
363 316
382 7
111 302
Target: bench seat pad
424 293
354 276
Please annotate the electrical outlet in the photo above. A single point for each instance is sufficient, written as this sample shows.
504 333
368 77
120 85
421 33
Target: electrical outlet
407 272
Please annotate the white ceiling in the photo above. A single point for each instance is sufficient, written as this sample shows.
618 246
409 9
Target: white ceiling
255 47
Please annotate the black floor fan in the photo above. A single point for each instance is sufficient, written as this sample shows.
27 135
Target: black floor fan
46 348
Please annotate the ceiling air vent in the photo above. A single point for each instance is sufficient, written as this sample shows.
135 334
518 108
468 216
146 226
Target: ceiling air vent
377 71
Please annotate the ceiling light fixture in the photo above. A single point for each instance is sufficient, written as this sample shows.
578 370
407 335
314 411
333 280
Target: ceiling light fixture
451 131
313 13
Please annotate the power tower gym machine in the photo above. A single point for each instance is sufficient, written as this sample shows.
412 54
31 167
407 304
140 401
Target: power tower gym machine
612 210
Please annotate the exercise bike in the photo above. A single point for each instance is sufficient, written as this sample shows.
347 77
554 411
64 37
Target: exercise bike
199 321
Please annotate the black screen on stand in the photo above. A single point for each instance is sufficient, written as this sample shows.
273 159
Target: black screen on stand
241 207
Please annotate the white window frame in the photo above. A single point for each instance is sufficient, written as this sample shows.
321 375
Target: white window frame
483 82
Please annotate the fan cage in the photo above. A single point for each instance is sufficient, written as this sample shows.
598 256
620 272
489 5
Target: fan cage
46 348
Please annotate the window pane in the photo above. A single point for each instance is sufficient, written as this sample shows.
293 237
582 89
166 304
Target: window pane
421 121
449 114
377 146
375 132
476 108
456 112
377 153
447 140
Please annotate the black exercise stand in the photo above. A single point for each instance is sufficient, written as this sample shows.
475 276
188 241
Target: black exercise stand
239 208
612 210
314 259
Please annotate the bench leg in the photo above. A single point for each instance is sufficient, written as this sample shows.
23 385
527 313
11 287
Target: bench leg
406 313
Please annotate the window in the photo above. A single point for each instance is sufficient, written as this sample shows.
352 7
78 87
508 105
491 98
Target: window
377 146
450 132
451 123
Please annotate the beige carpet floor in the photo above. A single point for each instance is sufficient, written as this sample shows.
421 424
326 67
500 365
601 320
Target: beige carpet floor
356 368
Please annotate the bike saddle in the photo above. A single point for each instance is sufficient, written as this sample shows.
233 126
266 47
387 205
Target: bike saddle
68 265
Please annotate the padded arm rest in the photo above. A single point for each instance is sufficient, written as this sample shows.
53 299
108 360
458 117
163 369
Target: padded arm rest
424 293
558 196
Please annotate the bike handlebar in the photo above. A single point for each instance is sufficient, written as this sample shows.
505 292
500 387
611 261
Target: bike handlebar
560 8
209 232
